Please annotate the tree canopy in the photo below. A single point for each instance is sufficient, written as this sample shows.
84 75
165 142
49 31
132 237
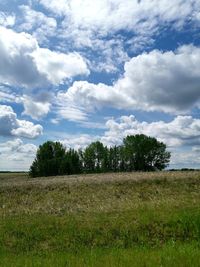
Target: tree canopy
144 153
137 153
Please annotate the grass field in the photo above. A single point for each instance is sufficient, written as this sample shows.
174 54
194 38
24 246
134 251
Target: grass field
129 219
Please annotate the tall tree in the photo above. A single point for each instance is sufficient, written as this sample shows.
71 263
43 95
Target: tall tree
144 153
114 158
71 163
94 157
48 159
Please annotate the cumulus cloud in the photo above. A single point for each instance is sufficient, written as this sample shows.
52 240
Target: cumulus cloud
84 97
155 81
11 126
57 67
182 136
164 81
35 109
16 156
181 131
99 25
78 141
25 64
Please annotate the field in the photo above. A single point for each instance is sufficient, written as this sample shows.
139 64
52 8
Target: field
109 220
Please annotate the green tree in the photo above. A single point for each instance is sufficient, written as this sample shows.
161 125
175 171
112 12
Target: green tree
94 159
71 163
122 160
48 159
144 153
138 153
114 158
105 160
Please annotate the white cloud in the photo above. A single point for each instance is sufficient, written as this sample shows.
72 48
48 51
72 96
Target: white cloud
164 81
84 97
114 15
6 19
86 21
94 24
57 67
23 63
11 126
59 7
6 95
185 159
181 135
108 56
78 141
35 109
155 81
37 22
16 156
67 109
181 131
71 113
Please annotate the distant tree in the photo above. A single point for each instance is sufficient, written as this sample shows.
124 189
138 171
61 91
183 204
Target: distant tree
144 153
94 157
122 162
114 158
34 169
137 153
48 159
89 159
105 160
71 163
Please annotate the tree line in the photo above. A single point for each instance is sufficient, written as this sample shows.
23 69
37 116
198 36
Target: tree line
137 153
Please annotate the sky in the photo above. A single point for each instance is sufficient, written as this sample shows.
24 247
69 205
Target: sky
77 71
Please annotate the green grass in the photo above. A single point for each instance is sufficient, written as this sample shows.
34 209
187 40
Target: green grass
182 255
101 220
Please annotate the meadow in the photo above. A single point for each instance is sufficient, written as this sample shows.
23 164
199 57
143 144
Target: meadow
110 220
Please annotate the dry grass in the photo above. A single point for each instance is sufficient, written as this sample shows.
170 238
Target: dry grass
22 179
113 192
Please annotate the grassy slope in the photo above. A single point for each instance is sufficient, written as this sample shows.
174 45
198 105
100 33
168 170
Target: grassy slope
132 219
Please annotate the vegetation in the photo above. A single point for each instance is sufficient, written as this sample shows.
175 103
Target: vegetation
137 153
114 219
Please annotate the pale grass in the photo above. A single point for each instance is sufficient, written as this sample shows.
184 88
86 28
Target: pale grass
22 179
110 192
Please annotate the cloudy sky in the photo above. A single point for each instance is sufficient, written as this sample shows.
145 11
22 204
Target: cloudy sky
84 70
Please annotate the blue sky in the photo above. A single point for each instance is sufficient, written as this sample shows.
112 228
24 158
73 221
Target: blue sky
84 70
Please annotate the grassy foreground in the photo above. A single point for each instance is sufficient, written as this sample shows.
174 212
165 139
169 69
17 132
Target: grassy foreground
131 219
